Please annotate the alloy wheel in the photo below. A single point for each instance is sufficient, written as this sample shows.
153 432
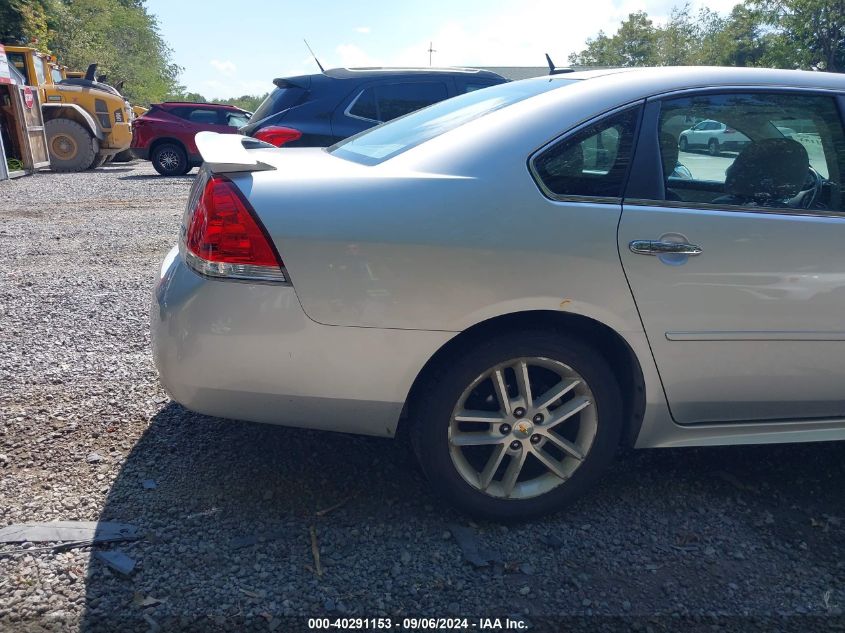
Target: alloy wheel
168 159
522 428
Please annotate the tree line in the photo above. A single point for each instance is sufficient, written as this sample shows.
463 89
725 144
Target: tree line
120 35
124 38
798 34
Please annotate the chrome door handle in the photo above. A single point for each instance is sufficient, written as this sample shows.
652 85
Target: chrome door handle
655 247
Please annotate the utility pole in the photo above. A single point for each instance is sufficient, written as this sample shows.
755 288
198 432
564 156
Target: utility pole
430 51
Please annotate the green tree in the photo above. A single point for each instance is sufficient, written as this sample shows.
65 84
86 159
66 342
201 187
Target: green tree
677 40
27 21
805 33
123 39
634 44
743 39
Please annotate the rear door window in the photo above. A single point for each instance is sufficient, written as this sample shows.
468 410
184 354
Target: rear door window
395 100
203 116
390 101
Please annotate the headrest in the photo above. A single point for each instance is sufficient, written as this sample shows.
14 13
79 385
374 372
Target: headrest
770 169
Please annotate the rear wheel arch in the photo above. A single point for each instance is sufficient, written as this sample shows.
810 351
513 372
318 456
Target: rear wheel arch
600 337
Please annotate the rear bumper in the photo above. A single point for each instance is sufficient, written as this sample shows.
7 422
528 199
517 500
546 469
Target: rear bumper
248 351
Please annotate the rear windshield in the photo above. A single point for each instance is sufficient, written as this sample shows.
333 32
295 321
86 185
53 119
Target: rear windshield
278 100
377 144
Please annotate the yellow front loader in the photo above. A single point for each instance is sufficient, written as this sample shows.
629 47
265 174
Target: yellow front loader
86 122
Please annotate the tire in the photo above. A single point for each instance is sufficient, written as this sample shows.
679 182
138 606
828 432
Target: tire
456 472
683 144
98 161
169 159
71 146
124 157
188 168
713 147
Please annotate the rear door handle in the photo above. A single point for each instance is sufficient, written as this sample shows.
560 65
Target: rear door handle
656 247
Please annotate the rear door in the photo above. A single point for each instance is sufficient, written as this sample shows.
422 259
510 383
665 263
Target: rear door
737 265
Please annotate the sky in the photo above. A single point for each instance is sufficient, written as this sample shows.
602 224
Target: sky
227 49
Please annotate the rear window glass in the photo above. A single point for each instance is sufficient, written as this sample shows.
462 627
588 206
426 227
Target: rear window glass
278 100
380 143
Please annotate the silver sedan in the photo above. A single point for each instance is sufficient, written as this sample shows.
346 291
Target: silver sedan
527 277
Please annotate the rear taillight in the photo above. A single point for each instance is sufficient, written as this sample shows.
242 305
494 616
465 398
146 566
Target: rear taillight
277 135
223 237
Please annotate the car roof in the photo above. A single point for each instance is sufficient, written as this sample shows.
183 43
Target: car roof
654 80
223 106
377 71
364 74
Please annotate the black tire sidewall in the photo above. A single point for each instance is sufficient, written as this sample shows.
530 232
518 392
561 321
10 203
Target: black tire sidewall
431 415
85 143
713 147
176 171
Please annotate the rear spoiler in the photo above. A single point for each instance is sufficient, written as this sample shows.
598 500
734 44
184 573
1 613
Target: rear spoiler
295 82
229 153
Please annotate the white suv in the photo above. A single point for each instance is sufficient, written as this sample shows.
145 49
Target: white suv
714 136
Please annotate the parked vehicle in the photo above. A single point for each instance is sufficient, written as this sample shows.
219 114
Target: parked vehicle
516 278
717 137
713 136
86 121
318 110
165 134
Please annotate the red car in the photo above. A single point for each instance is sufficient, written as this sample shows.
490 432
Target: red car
165 134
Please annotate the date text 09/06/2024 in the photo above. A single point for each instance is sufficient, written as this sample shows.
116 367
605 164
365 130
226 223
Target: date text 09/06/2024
417 624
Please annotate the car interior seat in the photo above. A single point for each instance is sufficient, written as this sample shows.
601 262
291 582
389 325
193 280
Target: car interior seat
772 170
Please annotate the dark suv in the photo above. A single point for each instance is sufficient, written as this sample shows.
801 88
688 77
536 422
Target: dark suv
320 110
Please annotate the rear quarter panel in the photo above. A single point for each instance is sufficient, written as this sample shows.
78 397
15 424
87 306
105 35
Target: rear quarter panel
375 248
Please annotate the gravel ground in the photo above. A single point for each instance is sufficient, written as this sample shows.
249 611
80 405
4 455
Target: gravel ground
731 532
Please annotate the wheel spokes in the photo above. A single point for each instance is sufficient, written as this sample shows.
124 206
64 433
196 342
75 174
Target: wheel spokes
523 382
512 472
485 478
556 392
567 410
482 417
565 445
552 464
501 390
475 439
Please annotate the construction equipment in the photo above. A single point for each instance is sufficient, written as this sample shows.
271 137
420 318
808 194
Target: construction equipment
87 122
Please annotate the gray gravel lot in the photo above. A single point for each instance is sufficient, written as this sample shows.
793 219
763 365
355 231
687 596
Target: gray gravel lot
742 531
